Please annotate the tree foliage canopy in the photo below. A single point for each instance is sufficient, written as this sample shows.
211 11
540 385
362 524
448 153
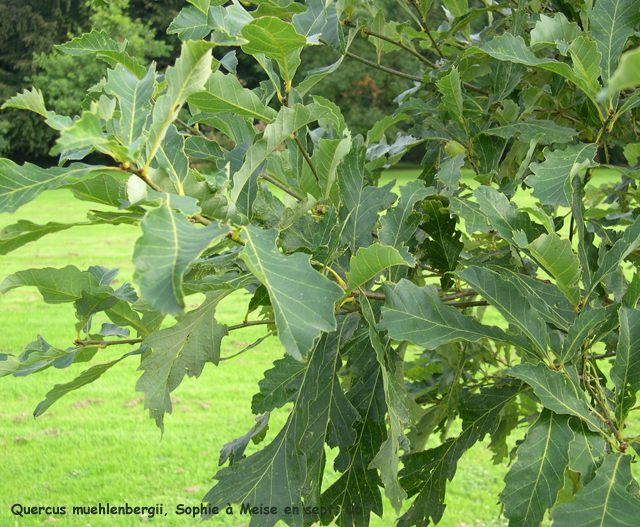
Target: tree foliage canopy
379 295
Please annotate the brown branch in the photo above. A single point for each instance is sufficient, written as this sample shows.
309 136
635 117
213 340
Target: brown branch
425 27
251 323
458 294
463 305
193 130
305 154
377 66
282 187
395 43
105 343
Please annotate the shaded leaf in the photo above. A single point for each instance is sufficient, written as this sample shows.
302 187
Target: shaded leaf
625 372
180 350
605 501
552 180
443 247
585 325
235 449
556 391
426 473
278 385
419 316
86 377
527 131
509 300
533 482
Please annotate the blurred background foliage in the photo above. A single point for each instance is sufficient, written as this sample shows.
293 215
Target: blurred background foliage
30 30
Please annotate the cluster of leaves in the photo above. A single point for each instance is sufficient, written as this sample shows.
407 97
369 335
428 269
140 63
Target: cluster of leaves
377 296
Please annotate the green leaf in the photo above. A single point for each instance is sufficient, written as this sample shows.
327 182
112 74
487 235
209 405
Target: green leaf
469 211
188 76
585 325
89 43
203 5
400 223
360 205
368 262
554 31
87 132
621 249
190 24
457 8
172 157
586 65
103 189
223 93
533 482
311 22
627 75
449 173
180 350
612 22
276 40
37 355
86 377
377 130
326 159
302 299
15 236
503 215
528 130
605 501
419 316
506 297
506 47
202 148
169 243
88 305
99 43
28 100
625 372
552 180
559 260
56 286
288 121
21 184
451 89
556 391
134 97
443 247
426 473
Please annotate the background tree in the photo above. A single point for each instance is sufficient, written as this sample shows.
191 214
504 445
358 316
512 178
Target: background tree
380 296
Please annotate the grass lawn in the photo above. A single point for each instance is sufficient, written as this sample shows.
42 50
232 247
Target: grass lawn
98 445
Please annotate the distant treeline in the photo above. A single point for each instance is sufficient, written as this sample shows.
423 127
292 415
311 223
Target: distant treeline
30 29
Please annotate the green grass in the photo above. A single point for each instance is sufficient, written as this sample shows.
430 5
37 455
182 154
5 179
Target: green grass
98 445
